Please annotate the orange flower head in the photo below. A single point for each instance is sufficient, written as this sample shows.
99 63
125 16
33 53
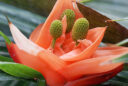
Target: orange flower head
65 50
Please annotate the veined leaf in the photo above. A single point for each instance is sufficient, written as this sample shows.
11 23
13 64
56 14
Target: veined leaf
122 42
41 82
5 37
123 58
18 83
3 53
19 70
8 80
25 20
6 77
5 59
42 7
123 74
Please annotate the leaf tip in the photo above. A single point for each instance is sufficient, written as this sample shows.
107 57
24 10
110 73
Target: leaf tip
7 40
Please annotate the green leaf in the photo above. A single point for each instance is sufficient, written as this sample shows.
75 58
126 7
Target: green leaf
8 80
5 37
19 70
115 83
18 83
122 42
41 82
25 20
4 53
5 59
123 58
3 50
42 7
6 77
123 74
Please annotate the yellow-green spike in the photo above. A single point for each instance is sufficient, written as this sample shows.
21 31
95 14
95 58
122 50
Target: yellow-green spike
56 30
70 15
80 29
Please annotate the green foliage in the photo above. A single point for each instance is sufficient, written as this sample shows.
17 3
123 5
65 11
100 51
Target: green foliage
43 7
5 76
41 83
8 80
19 70
122 42
5 59
25 20
5 37
123 59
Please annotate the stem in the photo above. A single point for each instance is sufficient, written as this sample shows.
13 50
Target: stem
53 43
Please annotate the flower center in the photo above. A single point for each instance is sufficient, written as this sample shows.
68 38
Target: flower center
76 28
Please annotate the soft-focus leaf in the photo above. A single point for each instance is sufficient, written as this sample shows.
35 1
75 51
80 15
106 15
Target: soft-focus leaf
5 59
19 70
25 20
42 7
41 82
5 77
123 74
4 53
8 80
17 83
5 37
123 58
115 83
122 42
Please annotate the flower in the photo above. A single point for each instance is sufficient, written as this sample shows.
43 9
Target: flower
67 64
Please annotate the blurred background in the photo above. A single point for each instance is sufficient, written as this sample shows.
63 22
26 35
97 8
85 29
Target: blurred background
27 14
